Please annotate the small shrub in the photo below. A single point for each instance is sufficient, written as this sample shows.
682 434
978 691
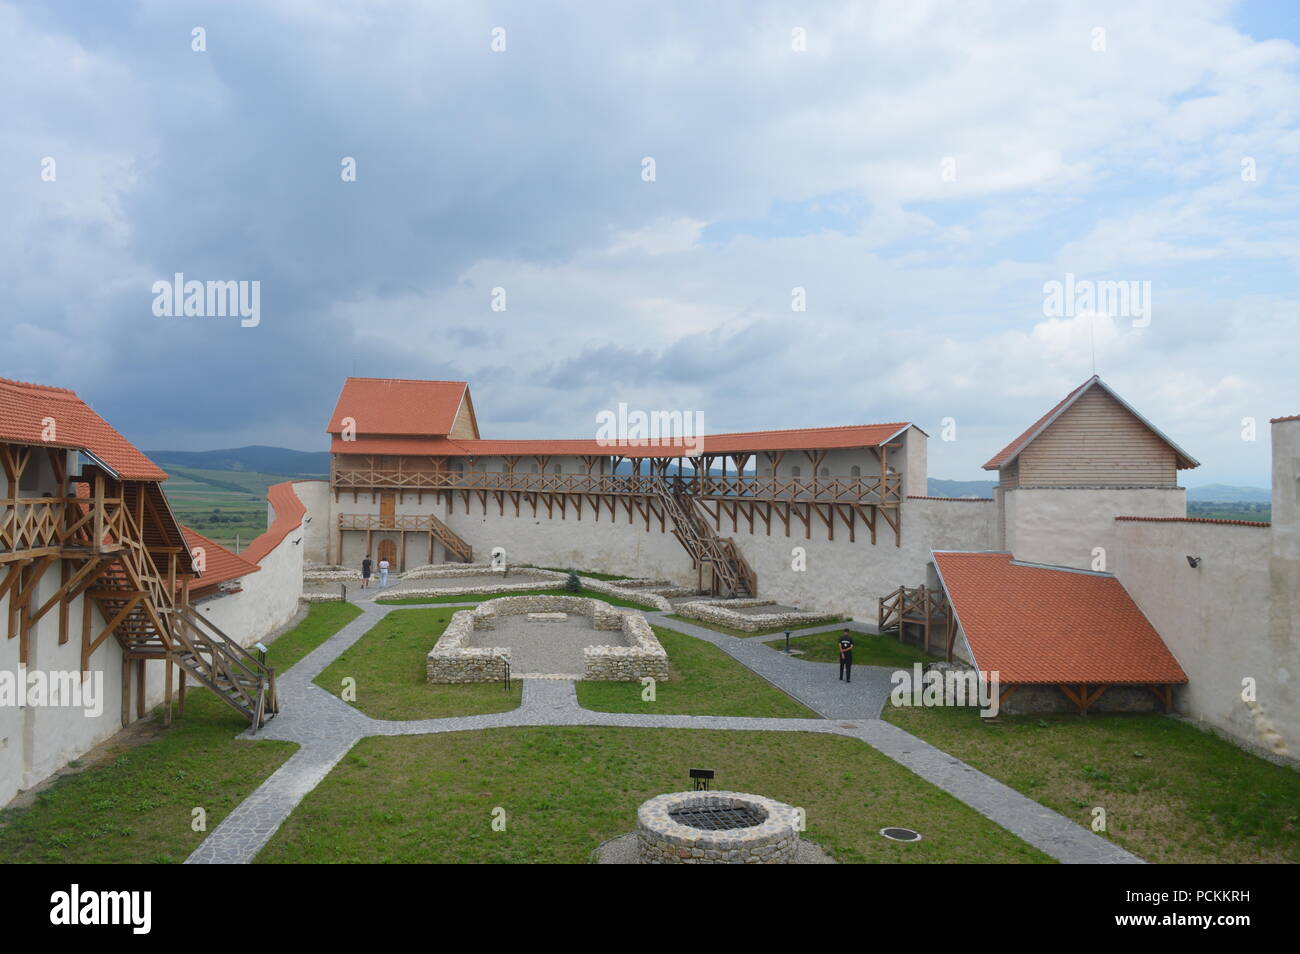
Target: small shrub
572 584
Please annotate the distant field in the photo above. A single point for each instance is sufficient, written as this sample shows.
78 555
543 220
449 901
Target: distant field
1216 510
220 504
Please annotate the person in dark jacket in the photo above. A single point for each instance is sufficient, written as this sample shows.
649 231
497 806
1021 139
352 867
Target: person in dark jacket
846 657
365 571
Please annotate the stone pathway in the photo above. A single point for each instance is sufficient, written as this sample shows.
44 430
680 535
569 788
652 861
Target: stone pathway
326 728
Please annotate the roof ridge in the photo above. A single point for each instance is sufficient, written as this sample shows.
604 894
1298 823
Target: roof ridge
14 382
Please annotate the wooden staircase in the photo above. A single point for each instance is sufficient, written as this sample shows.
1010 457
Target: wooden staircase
451 540
722 569
143 615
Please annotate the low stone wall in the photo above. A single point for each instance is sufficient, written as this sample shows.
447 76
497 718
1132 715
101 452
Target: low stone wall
450 571
321 598
661 840
627 593
452 661
643 656
722 613
320 573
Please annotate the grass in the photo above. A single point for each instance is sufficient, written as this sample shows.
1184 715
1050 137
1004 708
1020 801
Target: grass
388 664
1171 792
745 634
137 808
322 621
868 650
705 681
557 590
430 799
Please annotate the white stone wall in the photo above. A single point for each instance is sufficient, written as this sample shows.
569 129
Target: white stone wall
268 600
1215 620
35 742
1063 526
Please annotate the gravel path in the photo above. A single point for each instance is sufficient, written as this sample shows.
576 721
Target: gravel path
326 728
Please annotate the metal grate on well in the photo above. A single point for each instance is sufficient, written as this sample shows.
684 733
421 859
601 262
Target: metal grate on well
708 818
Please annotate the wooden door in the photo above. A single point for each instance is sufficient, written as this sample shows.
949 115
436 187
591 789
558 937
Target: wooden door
387 511
388 551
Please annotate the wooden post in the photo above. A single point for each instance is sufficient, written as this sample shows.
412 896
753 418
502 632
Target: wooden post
126 690
167 702
139 689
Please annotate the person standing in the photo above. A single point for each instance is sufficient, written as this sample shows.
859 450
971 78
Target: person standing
383 572
846 657
365 571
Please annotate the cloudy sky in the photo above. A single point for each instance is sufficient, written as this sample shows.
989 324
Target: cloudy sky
921 171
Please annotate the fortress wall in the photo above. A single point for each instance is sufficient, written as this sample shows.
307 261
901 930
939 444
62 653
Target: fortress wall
849 578
840 576
36 741
1062 527
1215 620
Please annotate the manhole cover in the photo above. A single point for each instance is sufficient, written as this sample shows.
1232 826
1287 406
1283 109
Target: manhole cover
717 819
901 834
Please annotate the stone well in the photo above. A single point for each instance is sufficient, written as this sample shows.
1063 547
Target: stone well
716 828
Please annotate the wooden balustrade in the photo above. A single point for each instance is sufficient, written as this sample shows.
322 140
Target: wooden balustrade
871 489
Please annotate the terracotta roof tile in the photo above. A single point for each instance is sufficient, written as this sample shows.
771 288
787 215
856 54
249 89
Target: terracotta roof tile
1043 625
1231 523
24 406
1279 420
220 564
813 438
398 407
289 511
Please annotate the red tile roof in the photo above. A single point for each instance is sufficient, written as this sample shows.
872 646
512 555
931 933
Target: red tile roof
1279 420
220 564
1233 523
1012 450
1042 625
956 499
24 406
289 511
812 438
398 407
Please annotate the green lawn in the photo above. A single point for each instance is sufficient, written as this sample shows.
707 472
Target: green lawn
1171 792
868 649
744 633
137 808
705 681
388 664
557 590
430 799
322 621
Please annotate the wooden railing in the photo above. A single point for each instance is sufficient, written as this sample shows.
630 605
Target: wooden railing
885 491
412 522
40 523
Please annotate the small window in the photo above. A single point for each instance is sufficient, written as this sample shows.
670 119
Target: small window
855 471
558 469
795 471
826 472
